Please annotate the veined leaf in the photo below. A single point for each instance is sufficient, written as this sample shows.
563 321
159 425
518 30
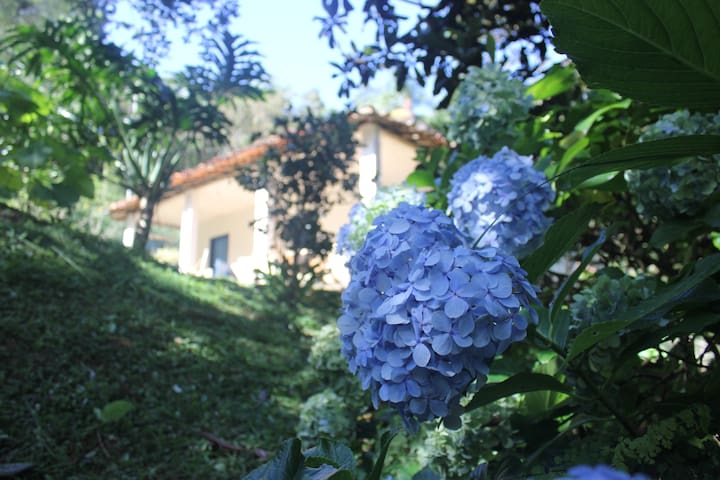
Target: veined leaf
520 383
649 154
662 52
557 80
596 333
287 464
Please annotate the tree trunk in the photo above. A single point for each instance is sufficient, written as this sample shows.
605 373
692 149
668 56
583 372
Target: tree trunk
143 224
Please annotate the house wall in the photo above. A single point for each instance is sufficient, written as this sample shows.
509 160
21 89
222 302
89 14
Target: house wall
397 160
236 225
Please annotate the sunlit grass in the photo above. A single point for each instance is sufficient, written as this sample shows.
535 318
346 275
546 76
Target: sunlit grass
84 323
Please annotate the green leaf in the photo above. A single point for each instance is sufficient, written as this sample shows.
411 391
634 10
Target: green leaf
385 441
596 333
569 282
673 231
662 52
326 472
520 383
649 154
557 80
337 454
286 465
559 238
421 178
114 411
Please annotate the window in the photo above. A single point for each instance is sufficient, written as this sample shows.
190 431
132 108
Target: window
219 256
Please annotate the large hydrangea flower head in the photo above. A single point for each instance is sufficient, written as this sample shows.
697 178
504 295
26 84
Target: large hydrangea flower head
501 201
599 472
352 235
423 315
682 189
486 107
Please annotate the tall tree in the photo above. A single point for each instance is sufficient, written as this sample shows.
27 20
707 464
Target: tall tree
149 125
304 178
446 38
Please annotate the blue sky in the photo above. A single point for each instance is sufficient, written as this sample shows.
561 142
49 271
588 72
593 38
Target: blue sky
287 37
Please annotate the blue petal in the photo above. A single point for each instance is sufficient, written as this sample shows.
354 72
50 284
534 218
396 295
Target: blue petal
438 408
396 357
397 319
440 283
347 325
418 406
399 226
503 286
441 322
442 344
396 392
421 355
456 307
502 330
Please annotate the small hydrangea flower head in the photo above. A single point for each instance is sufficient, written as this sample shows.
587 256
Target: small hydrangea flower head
500 200
423 315
352 235
486 107
680 190
599 472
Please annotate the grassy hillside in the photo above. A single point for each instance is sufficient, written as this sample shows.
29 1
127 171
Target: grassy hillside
212 373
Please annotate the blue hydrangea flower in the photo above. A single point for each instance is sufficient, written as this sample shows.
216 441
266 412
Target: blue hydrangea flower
599 472
423 315
352 235
681 190
504 189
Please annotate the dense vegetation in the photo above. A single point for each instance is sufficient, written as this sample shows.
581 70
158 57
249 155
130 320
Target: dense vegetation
214 378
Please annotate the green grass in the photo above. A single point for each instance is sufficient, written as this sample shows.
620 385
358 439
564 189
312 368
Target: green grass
84 323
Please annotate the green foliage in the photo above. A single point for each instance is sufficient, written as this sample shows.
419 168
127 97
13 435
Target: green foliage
216 383
684 189
440 43
650 45
325 415
686 430
486 108
325 461
118 110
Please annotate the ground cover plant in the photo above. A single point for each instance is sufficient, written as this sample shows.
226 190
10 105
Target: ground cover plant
115 366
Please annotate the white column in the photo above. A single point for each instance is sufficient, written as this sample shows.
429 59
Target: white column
368 162
128 236
261 235
188 237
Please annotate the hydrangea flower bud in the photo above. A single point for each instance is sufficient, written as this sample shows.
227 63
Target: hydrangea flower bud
599 472
504 189
682 189
423 315
361 216
486 107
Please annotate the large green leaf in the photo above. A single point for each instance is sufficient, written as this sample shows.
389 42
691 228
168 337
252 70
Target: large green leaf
286 465
596 333
658 51
649 154
335 454
557 80
519 383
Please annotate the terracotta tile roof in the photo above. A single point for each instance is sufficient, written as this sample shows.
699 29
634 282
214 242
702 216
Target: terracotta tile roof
226 165
413 132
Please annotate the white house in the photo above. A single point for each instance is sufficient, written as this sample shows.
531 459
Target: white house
222 226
